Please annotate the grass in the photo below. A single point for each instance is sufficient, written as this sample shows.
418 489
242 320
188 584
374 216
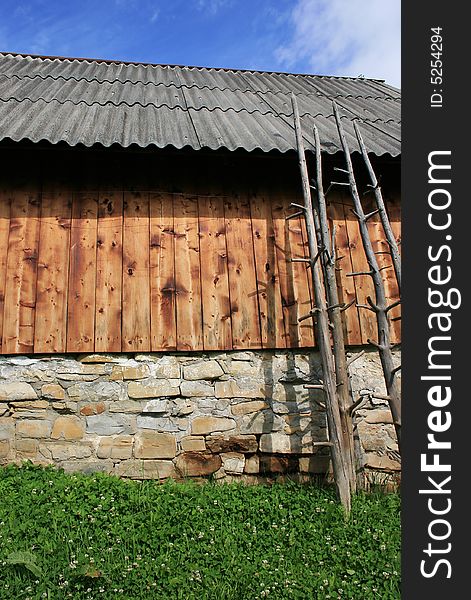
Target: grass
95 536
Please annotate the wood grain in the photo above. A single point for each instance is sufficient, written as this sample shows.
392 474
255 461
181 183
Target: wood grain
268 277
109 272
50 333
187 273
82 273
242 276
136 286
162 273
217 329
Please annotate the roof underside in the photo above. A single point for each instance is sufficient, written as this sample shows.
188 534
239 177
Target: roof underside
87 102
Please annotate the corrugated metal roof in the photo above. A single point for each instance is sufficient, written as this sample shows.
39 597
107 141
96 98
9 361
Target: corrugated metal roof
81 101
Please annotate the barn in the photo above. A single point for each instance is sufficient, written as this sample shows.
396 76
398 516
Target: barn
149 300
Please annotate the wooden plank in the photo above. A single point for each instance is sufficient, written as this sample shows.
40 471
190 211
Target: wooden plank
20 290
217 330
363 283
294 284
53 272
346 285
394 210
162 273
109 272
82 273
268 278
187 274
5 200
136 286
242 274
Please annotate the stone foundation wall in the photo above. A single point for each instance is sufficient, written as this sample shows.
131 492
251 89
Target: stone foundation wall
235 414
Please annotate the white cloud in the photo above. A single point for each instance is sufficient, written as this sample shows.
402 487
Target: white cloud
155 15
346 37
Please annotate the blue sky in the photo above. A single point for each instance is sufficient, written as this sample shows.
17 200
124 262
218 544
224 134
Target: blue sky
335 37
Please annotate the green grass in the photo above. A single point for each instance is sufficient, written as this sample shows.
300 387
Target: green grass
95 536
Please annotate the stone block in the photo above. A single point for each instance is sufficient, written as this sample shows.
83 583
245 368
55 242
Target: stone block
108 425
4 448
235 443
126 406
242 388
67 428
278 465
96 408
115 447
64 451
205 369
145 469
152 444
123 373
196 389
252 465
100 358
26 449
163 424
166 367
156 389
16 390
261 422
233 463
155 406
181 407
203 425
30 404
33 428
193 443
381 463
245 408
53 391
7 428
197 464
379 416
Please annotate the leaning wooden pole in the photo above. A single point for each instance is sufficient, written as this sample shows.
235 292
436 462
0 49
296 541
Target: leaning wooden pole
334 309
321 323
379 306
393 247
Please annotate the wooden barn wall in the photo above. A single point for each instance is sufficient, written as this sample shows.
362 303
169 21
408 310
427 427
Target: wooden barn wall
113 251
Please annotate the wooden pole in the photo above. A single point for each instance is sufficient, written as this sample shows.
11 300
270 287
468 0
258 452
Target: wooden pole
328 259
380 306
395 255
321 323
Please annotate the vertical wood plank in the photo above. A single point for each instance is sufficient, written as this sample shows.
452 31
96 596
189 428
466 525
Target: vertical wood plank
82 273
217 330
187 274
136 286
268 278
162 273
53 272
363 283
5 200
294 284
394 210
242 274
20 289
109 272
346 285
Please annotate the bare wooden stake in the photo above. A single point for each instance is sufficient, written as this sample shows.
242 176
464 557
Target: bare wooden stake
384 340
396 257
335 314
341 474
